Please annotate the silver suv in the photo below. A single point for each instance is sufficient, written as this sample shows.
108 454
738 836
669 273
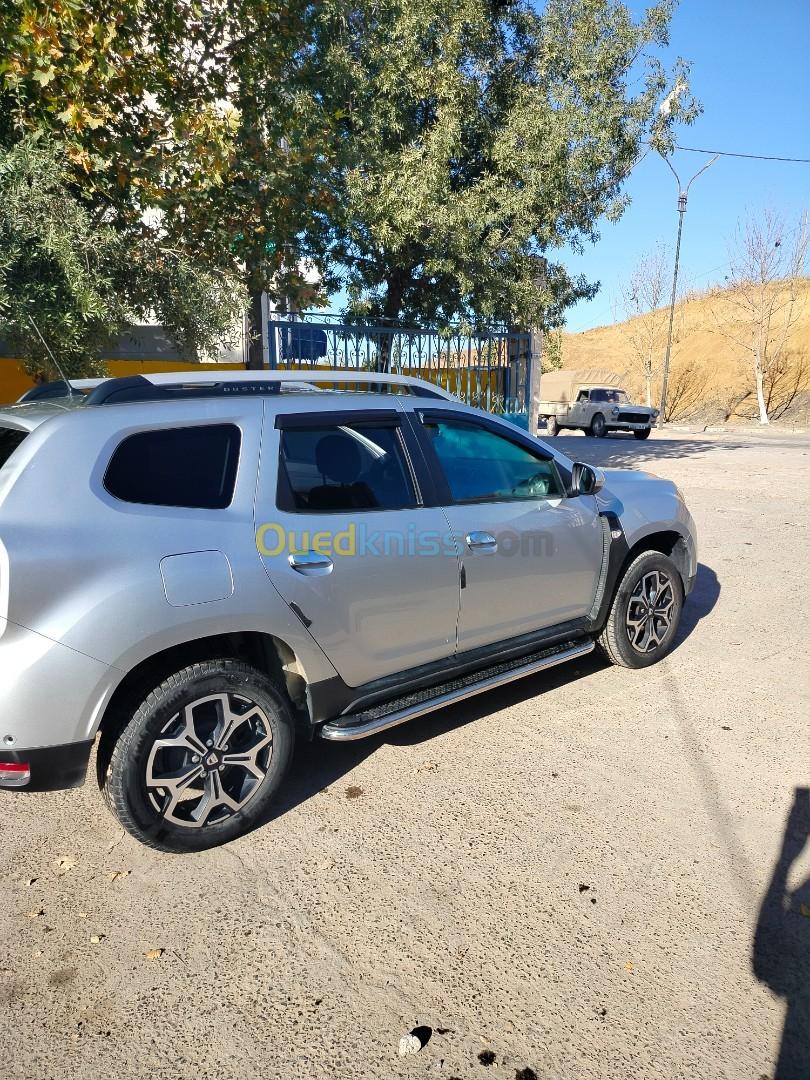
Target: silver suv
194 573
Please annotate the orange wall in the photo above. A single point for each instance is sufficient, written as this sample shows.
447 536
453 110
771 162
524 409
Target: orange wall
14 381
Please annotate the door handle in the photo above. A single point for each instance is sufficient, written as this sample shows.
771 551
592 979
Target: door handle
311 562
482 541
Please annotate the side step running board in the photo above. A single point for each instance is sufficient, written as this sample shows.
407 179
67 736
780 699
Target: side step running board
381 717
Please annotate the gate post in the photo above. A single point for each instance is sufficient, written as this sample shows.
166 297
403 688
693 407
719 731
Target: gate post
535 371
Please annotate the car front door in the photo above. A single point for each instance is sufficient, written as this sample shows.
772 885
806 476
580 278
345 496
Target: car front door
531 554
346 539
579 412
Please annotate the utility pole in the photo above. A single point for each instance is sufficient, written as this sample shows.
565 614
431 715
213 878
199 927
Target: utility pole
683 195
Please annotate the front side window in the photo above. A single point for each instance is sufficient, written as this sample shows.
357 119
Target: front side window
191 467
344 467
482 466
614 397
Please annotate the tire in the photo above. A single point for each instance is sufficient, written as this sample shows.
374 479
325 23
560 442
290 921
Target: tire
205 799
552 427
642 434
598 426
653 638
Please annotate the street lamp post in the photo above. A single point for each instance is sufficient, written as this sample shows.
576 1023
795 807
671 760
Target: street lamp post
683 195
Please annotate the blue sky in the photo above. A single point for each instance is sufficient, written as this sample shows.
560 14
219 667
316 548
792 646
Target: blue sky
751 70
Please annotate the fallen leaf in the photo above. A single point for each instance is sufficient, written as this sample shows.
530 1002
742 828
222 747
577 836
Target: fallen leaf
628 966
805 910
30 881
37 952
65 864
117 874
35 914
154 954
83 914
96 939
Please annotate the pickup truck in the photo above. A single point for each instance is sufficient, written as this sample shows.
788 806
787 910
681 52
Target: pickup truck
592 401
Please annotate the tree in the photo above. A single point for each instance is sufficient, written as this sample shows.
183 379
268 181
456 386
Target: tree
765 299
552 350
645 299
68 286
480 136
184 126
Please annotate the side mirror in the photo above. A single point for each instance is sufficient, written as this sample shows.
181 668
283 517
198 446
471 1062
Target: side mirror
585 479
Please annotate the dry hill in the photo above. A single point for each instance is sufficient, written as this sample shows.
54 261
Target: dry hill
710 375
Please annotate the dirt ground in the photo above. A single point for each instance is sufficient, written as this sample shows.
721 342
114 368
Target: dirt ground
595 873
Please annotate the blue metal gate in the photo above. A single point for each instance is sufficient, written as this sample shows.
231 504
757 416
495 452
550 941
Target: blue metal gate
489 370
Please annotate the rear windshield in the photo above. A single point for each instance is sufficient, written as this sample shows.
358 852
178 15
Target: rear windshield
10 439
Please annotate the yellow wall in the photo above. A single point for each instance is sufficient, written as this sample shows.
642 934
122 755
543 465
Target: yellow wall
14 381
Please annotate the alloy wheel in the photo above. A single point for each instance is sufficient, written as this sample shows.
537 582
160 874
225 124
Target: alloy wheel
649 611
209 760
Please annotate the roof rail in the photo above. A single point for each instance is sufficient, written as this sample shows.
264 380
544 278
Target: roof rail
58 388
162 386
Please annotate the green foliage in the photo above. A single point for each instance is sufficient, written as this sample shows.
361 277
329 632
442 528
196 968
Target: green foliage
197 122
480 136
69 286
434 154
552 358
56 286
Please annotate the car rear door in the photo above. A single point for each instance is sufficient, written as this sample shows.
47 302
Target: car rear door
346 538
531 555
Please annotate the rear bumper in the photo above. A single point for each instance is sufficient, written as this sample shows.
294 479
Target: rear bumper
52 768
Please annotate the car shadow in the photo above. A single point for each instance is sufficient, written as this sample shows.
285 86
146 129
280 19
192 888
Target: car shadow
781 948
317 765
701 600
622 451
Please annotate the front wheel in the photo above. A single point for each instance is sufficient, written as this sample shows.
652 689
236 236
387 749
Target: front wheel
645 613
201 757
645 434
598 426
552 427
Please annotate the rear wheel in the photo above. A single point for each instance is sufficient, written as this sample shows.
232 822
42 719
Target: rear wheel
645 434
201 757
645 612
598 426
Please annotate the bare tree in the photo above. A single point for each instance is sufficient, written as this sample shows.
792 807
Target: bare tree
782 383
765 298
644 299
686 385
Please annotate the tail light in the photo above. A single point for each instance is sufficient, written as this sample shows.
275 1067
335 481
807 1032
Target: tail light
14 774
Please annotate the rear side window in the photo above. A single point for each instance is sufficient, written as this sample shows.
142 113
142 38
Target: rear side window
342 468
192 466
10 439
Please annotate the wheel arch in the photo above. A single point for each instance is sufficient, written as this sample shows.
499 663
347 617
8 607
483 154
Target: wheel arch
668 542
271 655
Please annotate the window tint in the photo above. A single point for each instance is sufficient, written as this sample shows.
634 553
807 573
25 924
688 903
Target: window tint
344 468
481 466
10 439
193 466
